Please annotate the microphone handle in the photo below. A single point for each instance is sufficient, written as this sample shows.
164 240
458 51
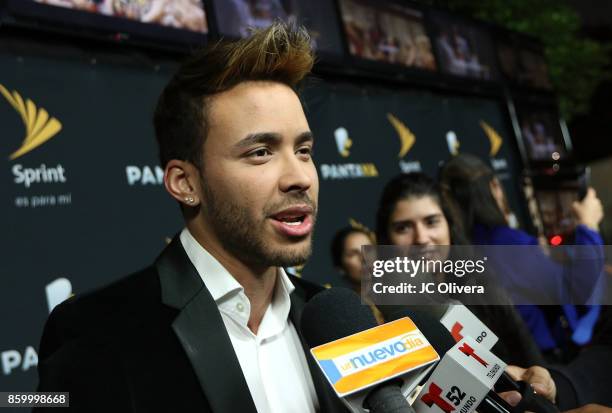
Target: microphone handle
493 403
533 402
387 398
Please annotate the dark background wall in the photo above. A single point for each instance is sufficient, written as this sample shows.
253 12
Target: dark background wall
97 210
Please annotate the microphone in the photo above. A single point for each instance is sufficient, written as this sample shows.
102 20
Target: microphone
455 371
443 341
369 366
460 322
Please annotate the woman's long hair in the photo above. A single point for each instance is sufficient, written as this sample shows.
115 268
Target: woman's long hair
465 183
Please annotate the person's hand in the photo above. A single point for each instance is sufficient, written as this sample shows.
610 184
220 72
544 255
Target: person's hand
589 211
538 377
590 408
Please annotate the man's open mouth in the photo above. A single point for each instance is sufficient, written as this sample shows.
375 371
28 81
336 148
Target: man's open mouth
294 221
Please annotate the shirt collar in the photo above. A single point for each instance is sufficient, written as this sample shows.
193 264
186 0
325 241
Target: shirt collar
216 278
222 285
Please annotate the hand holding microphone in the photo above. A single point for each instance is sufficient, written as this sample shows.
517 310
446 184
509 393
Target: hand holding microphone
537 377
517 396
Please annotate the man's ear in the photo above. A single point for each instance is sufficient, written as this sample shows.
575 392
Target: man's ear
182 181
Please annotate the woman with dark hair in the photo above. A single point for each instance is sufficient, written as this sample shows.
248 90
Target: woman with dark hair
346 254
347 257
479 197
411 211
405 195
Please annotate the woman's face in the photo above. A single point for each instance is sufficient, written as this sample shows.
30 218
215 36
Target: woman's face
418 221
352 259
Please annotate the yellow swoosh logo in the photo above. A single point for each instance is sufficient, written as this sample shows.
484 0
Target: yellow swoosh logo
405 135
494 139
39 126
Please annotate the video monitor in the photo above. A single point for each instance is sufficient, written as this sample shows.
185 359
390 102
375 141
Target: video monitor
523 66
463 49
556 210
178 21
387 32
236 19
541 134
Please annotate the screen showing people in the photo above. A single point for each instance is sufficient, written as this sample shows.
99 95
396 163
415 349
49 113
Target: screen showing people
237 18
463 50
556 210
388 33
524 66
542 135
181 14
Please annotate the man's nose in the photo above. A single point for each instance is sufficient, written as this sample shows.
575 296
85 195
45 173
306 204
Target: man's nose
296 175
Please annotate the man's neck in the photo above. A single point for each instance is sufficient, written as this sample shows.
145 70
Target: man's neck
258 283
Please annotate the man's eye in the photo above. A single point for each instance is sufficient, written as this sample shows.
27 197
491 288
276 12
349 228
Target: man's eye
306 150
260 153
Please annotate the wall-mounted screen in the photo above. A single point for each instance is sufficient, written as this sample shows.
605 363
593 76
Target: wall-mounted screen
387 32
175 21
541 134
463 49
523 65
236 18
180 14
556 210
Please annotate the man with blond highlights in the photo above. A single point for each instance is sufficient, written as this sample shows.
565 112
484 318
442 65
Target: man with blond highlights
212 325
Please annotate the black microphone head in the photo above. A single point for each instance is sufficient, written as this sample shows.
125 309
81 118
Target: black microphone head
333 314
437 335
437 310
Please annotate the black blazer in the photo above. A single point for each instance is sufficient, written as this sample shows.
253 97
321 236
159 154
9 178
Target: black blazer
155 342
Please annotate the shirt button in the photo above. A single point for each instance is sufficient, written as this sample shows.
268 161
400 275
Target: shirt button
240 307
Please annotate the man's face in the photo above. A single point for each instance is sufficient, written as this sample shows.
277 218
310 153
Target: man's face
259 183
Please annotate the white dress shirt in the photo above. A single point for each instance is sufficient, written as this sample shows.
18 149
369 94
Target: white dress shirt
272 361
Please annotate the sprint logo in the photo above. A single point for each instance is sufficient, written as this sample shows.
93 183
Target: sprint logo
405 135
496 142
39 126
407 141
494 139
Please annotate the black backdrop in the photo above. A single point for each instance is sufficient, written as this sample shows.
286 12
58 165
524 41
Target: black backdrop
97 209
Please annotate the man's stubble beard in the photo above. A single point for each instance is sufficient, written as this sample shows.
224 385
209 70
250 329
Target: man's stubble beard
244 238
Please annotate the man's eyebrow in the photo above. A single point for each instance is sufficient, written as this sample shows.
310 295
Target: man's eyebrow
304 137
271 138
264 137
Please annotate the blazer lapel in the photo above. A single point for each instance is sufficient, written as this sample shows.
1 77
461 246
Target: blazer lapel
328 400
201 332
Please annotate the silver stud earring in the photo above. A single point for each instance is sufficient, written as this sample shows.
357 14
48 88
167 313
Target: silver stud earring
189 200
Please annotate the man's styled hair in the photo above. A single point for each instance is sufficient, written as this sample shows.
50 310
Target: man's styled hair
281 53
